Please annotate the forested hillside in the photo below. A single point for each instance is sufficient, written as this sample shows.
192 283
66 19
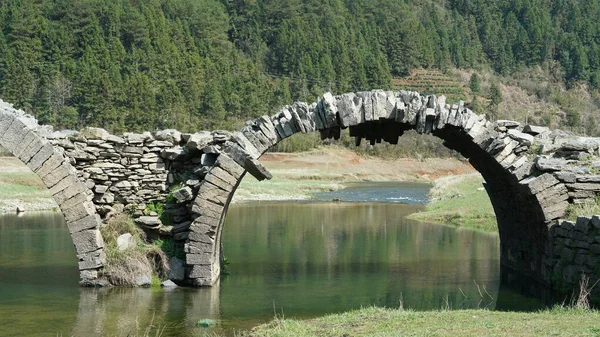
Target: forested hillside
194 64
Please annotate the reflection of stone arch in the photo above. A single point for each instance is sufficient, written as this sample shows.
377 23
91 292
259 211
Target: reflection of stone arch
527 192
20 135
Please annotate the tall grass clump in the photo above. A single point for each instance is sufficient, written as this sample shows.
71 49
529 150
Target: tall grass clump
588 207
123 267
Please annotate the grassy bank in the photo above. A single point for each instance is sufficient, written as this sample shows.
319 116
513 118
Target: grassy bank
19 186
282 189
388 322
460 201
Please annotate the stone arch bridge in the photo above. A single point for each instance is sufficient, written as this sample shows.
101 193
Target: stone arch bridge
532 175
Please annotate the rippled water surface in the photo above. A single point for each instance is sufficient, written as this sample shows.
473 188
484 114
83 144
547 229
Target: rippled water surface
302 259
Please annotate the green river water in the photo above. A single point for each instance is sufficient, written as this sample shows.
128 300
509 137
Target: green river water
298 259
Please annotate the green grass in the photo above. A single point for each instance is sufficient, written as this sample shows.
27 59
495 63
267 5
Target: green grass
124 266
460 201
379 322
282 188
20 186
587 208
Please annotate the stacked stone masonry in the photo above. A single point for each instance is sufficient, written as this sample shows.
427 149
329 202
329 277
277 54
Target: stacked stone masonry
532 175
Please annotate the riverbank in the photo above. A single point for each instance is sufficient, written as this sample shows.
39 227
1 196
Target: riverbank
20 187
297 176
459 201
388 322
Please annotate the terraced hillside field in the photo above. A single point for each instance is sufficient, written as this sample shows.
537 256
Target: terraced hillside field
428 81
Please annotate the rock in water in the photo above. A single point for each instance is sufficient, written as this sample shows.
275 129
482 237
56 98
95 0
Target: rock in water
168 284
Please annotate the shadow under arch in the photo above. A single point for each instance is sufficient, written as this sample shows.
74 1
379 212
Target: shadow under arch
524 202
21 135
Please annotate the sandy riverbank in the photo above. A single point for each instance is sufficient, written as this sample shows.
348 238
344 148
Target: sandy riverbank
297 176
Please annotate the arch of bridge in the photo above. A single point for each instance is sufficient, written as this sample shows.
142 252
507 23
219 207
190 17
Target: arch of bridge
21 135
532 174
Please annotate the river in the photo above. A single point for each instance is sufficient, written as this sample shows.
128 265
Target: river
291 259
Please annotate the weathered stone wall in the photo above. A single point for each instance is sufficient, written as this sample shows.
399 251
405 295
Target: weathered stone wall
574 251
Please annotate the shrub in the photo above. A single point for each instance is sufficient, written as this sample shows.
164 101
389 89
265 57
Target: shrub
124 266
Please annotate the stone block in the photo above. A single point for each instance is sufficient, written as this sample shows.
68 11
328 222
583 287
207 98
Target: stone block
50 165
328 109
211 192
75 200
89 221
248 146
556 211
584 187
538 184
31 150
29 137
567 225
350 109
566 176
78 212
508 150
207 208
67 182
551 164
268 129
183 194
46 150
225 186
87 241
70 192
169 135
201 237
583 224
198 141
250 164
6 120
58 174
91 260
211 221
384 105
201 272
198 259
286 127
94 133
177 269
198 247
13 135
588 178
522 138
595 221
223 175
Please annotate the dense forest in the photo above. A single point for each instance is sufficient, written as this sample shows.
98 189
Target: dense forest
194 64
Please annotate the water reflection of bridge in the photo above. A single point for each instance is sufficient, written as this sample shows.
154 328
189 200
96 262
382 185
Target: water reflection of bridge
131 311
